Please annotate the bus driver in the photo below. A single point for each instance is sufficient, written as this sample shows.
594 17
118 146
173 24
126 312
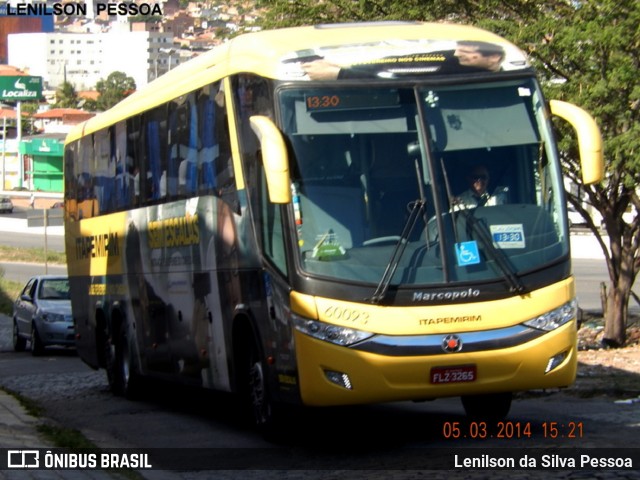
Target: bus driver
477 194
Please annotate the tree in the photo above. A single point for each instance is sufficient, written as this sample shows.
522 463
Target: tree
66 96
116 87
592 51
587 53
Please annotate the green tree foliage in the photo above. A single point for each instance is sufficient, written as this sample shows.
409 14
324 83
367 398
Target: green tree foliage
587 53
116 87
66 96
28 110
592 52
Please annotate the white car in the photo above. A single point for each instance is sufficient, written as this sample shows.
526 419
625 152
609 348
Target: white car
42 314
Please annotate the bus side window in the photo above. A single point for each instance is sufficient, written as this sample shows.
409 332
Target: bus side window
208 151
188 168
153 161
85 178
70 180
134 134
102 173
124 181
173 159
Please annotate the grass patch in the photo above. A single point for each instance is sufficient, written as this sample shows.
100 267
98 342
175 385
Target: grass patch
9 291
63 437
31 407
67 438
59 436
30 255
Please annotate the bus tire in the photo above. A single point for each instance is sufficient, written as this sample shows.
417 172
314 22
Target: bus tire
492 406
267 414
129 378
122 372
108 349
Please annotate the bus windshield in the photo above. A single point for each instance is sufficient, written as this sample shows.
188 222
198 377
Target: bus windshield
424 185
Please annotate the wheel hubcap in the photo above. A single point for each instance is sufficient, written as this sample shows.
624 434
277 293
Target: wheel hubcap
257 392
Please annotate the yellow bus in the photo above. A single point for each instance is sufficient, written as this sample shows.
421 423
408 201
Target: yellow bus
297 216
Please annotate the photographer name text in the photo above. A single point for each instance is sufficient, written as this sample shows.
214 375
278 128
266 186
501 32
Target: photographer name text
545 461
80 9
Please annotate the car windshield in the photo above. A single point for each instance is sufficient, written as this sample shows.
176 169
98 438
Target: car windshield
54 289
380 177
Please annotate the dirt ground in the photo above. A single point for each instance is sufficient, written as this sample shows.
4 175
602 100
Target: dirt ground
607 371
40 202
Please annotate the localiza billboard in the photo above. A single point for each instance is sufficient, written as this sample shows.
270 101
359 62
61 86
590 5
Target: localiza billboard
20 87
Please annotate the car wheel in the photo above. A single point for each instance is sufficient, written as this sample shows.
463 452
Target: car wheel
19 343
37 347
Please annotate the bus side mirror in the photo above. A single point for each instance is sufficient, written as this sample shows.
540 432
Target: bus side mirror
274 158
589 139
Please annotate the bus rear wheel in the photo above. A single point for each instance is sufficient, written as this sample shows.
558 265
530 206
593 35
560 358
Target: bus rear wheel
492 406
121 371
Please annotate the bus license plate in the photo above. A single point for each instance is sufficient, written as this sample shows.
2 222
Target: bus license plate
460 374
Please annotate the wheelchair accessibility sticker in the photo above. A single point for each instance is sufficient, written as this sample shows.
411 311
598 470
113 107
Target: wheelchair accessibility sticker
467 253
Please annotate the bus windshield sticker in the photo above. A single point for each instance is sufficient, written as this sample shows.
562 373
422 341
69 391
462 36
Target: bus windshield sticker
401 58
467 253
328 248
508 236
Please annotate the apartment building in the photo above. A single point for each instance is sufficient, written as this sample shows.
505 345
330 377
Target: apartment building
85 58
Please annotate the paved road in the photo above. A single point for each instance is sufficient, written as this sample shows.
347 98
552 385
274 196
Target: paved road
399 436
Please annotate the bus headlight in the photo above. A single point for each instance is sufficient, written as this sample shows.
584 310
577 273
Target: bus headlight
555 318
344 336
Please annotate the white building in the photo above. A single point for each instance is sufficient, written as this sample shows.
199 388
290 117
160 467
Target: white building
85 58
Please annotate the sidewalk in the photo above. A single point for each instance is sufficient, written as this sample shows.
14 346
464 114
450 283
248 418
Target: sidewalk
17 428
18 431
19 225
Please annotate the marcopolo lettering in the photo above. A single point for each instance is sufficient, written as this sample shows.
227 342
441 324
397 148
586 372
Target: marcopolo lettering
451 295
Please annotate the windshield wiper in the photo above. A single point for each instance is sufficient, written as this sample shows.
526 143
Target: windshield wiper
484 236
481 232
398 251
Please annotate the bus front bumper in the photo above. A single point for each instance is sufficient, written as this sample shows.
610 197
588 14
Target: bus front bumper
385 370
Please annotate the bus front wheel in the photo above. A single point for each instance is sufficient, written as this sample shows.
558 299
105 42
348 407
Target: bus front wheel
492 406
266 413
